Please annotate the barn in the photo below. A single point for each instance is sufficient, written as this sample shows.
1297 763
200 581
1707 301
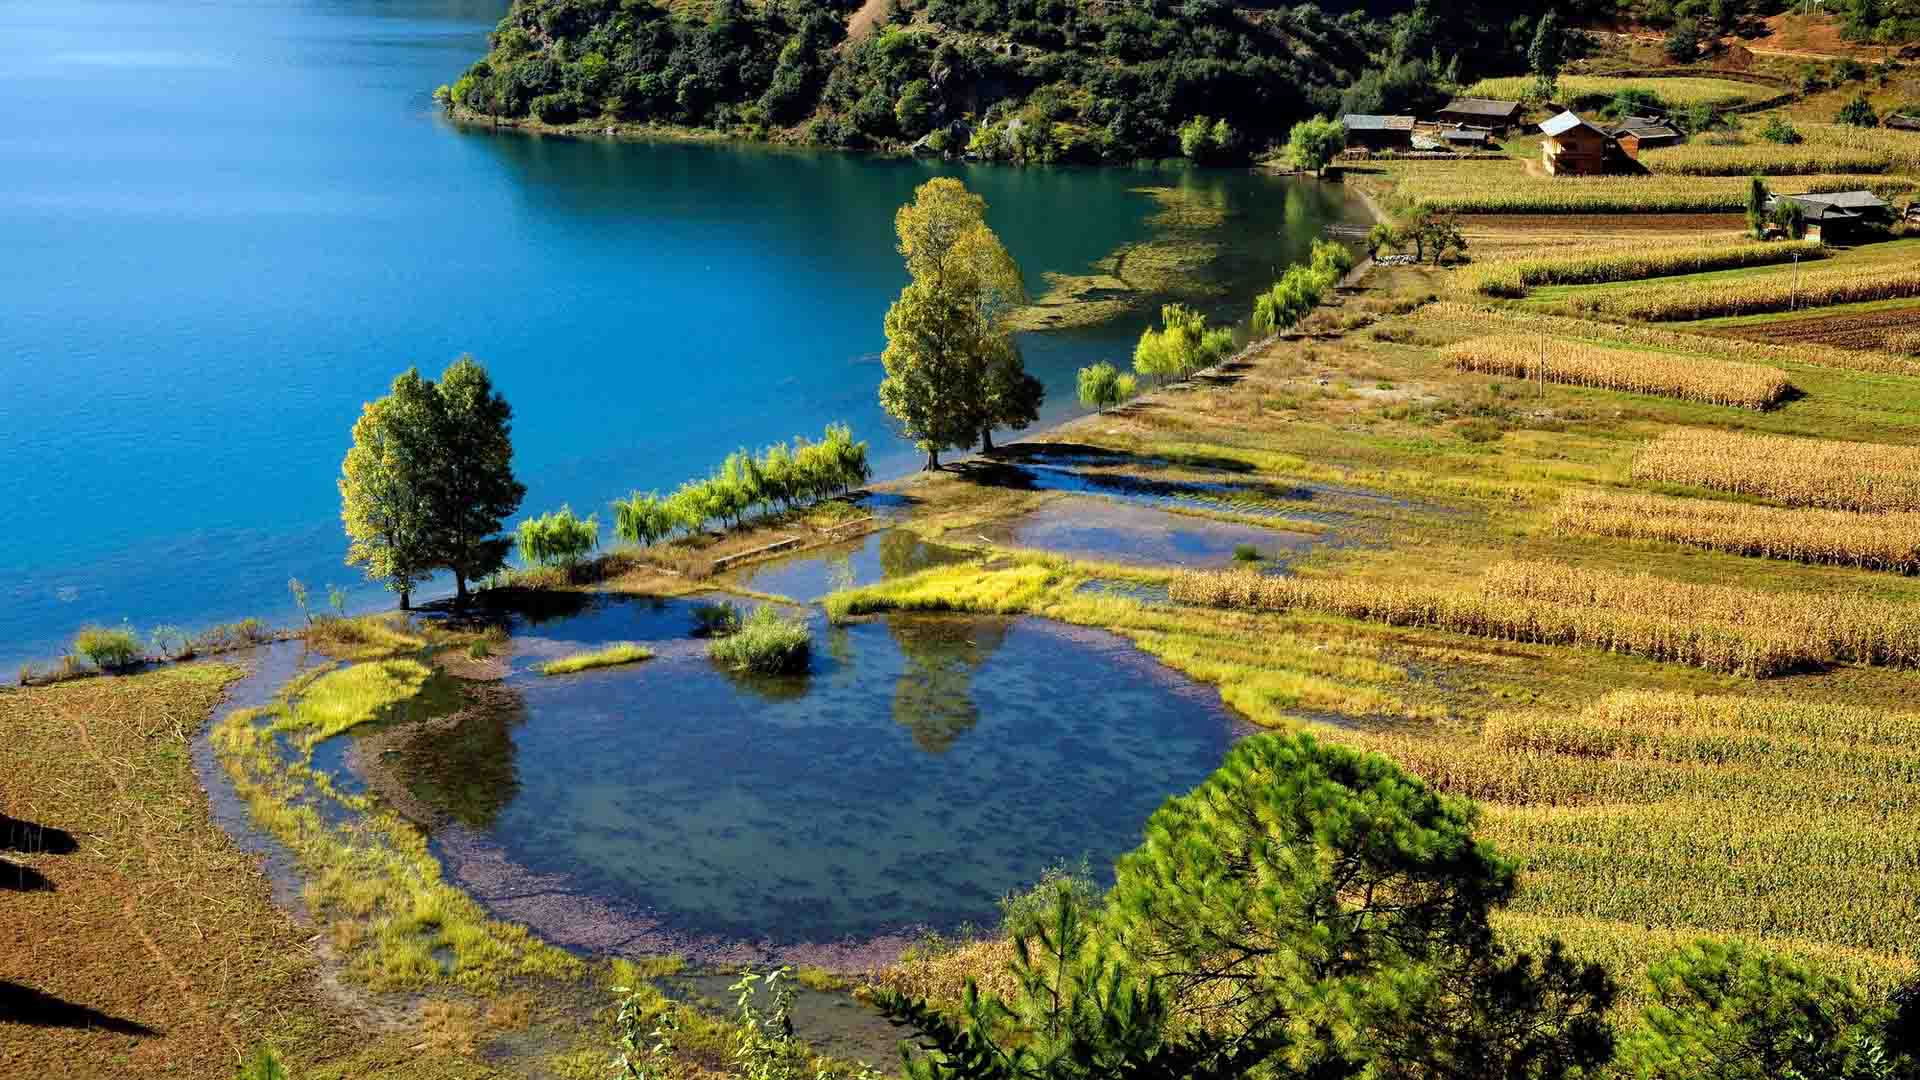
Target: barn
1500 116
1368 132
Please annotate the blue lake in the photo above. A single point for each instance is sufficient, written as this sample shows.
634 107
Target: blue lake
228 225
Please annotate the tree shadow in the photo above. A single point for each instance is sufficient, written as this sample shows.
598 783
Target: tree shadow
17 877
25 1005
31 839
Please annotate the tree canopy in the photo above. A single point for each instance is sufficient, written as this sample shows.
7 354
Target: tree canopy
953 368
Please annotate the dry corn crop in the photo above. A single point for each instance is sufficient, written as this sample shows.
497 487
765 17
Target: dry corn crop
1716 382
1823 473
1839 537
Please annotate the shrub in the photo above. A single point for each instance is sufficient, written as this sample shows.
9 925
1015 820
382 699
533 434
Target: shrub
561 108
108 648
623 653
767 643
558 538
1246 553
1102 386
1778 129
1858 112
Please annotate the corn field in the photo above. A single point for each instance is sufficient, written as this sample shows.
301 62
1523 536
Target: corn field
1889 542
1503 187
1822 473
1716 382
1777 291
1629 262
1721 348
1827 148
1580 89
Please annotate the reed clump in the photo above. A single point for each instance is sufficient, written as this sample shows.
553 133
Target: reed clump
1889 542
1681 300
766 643
1715 382
1629 262
1828 474
612 656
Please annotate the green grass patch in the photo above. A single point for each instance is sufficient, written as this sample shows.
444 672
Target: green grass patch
614 655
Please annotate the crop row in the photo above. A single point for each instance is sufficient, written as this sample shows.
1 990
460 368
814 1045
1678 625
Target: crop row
1653 337
1579 90
1825 148
1823 473
1513 277
1500 187
1716 382
1778 291
1840 537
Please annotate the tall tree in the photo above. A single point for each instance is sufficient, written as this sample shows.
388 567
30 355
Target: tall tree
1546 56
383 501
953 370
473 490
1313 143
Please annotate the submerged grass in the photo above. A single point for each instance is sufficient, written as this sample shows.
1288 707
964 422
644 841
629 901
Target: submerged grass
766 642
611 656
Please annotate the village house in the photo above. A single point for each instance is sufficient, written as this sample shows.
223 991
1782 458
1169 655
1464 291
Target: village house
1374 133
1467 139
1840 215
1900 122
1575 147
1637 133
1500 116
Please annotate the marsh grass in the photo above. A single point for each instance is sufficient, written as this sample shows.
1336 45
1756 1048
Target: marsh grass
767 643
613 655
365 637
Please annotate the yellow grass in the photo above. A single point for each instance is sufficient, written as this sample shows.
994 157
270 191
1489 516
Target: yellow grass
1840 537
1629 261
623 653
1823 473
1505 187
1722 348
1838 284
1716 382
1826 148
1674 91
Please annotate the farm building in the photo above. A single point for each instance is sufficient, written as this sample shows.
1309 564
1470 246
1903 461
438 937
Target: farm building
1575 147
1902 123
1367 132
1467 139
1637 133
1499 116
1840 215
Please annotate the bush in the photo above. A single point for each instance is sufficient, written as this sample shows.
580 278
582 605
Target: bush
1858 112
558 538
110 649
1779 130
1102 386
561 108
767 643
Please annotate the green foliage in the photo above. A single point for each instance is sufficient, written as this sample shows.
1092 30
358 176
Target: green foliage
1209 142
1778 129
1858 112
1434 231
1314 143
337 600
299 590
953 369
1757 197
611 656
1102 386
558 538
766 643
1246 553
1025 914
1791 217
262 1064
1724 1011
1683 41
108 648
1182 346
1546 55
1301 287
716 619
783 475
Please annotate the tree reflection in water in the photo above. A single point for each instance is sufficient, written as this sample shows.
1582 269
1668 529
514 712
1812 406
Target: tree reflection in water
934 696
463 766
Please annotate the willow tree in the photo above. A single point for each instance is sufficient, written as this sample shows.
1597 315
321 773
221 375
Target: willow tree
954 371
383 500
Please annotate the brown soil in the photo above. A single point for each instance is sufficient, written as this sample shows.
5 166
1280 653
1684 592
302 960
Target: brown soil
1862 330
864 20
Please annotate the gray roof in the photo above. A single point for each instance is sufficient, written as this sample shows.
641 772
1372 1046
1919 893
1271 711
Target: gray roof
1473 135
1369 122
1848 200
1474 106
1646 129
1566 122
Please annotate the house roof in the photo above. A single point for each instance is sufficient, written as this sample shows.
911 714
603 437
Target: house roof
1472 135
1566 122
1472 106
1369 122
1645 128
1838 205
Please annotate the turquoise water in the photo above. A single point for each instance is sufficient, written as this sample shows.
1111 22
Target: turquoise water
922 768
227 225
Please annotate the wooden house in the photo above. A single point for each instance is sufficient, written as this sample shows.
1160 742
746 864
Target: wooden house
1373 133
1840 215
1637 133
1901 123
1574 147
1499 116
1466 139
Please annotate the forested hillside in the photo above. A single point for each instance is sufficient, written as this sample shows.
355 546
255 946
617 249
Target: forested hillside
1028 80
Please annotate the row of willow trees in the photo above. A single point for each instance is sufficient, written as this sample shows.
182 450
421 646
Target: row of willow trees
782 477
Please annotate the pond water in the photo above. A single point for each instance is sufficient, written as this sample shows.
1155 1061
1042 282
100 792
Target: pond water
813 574
228 225
922 768
1106 531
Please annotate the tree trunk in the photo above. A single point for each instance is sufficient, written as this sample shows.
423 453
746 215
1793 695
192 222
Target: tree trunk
459 590
406 599
933 461
986 440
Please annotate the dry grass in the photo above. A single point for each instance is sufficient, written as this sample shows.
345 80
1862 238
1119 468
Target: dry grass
1715 382
1759 294
1629 261
1826 148
1821 473
1869 541
1505 187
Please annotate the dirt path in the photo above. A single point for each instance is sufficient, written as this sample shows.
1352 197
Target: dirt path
871 14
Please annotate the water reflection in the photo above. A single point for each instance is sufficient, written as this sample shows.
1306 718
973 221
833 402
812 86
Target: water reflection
467 769
934 697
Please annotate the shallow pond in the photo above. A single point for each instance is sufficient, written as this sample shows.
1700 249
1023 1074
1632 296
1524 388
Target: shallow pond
1121 532
923 767
813 574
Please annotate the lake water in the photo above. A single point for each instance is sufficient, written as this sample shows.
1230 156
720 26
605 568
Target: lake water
228 225
922 768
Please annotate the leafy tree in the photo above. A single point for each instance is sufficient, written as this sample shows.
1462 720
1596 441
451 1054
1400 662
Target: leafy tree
1319 891
1209 142
1436 232
1757 207
1183 345
1013 397
1314 143
1683 41
1724 1011
1546 55
953 370
383 492
913 111
1791 217
1858 112
558 538
1383 235
1778 129
472 491
1103 386
647 519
